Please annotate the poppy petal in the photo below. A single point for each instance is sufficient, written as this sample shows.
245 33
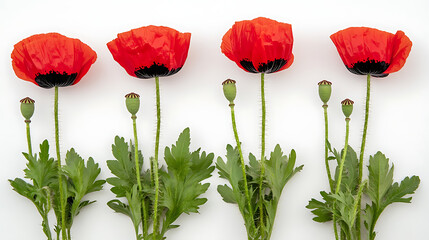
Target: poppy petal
259 45
152 51
52 59
371 51
400 51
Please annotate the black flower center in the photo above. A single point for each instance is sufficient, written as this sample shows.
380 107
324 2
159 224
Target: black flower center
55 79
155 70
269 67
373 67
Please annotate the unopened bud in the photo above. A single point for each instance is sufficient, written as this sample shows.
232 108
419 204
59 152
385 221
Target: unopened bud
325 91
132 100
27 107
347 106
229 90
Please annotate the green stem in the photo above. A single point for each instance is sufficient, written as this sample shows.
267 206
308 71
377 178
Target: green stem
243 166
68 233
358 199
45 225
45 212
362 148
334 220
343 158
60 178
155 161
30 151
340 173
136 159
328 170
261 193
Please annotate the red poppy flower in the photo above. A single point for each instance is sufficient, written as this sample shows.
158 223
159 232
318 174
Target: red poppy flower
371 51
259 45
51 59
152 51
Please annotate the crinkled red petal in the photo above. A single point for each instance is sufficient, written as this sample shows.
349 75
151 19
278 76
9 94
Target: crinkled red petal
152 45
52 52
259 45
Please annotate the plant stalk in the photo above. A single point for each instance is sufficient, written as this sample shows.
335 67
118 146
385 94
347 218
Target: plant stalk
155 161
136 159
243 166
343 157
328 170
261 192
60 178
340 174
362 148
27 123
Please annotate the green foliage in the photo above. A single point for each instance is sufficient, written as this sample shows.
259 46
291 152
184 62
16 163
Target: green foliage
322 210
342 204
79 180
279 169
180 184
381 190
42 172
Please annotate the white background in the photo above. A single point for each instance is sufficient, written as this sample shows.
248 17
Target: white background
93 111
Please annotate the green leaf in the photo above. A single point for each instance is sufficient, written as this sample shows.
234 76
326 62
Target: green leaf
119 207
24 189
350 177
380 177
123 167
178 158
397 191
345 208
278 170
383 191
181 186
82 180
42 171
226 193
135 206
231 170
322 210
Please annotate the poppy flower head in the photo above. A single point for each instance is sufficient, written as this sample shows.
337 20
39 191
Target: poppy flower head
152 51
260 45
371 51
51 59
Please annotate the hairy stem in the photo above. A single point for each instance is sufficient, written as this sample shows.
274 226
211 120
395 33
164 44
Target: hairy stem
136 159
155 160
60 178
261 192
27 123
334 220
343 158
243 166
340 173
45 225
328 170
68 233
358 199
362 148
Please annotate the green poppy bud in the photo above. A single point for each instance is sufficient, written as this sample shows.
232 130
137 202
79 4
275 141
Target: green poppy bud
325 91
27 107
132 100
347 106
229 90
